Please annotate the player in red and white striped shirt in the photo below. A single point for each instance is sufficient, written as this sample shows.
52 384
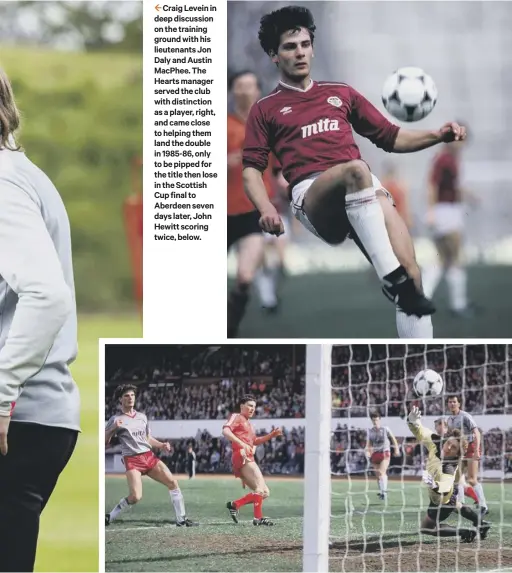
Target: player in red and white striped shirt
240 432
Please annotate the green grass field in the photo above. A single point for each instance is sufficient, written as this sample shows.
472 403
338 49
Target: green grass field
350 305
373 538
68 538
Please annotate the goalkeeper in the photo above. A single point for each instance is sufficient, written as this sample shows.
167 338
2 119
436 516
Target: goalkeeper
442 478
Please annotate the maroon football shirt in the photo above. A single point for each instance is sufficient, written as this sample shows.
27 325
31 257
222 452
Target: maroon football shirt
311 130
445 178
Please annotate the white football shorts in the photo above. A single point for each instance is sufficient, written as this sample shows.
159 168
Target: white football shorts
299 192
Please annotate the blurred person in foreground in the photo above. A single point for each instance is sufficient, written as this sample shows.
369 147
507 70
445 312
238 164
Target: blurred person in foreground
243 228
308 126
448 205
39 400
392 182
137 443
240 432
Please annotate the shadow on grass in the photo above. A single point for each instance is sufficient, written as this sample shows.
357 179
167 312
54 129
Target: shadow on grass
236 552
376 544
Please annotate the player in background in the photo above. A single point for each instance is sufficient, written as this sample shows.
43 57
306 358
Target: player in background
378 446
273 270
442 475
191 462
240 432
242 225
446 217
132 430
392 182
461 420
308 126
441 427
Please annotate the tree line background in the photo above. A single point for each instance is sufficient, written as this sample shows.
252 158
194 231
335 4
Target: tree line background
76 70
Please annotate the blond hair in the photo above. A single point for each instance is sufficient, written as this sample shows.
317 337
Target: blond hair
9 115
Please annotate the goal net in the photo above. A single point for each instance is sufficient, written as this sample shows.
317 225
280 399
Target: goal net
347 526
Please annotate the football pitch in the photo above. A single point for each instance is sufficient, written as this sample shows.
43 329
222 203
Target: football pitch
68 539
350 305
371 537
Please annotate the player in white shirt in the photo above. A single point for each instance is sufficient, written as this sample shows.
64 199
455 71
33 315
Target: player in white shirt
132 430
378 448
460 420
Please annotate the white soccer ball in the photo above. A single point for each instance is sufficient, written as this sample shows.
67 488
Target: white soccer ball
409 94
428 383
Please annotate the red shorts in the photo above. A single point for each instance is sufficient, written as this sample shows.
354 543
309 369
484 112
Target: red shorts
470 453
238 462
377 457
143 463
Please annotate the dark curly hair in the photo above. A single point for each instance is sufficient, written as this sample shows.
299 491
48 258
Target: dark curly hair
273 25
122 389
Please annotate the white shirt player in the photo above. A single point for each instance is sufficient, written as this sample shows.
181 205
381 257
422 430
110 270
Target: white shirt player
132 434
463 422
378 439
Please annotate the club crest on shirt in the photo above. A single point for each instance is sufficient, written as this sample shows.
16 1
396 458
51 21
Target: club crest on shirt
335 101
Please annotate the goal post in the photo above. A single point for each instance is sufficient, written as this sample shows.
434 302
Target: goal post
354 521
317 471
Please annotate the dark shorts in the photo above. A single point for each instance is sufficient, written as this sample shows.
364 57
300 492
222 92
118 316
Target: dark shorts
240 226
440 513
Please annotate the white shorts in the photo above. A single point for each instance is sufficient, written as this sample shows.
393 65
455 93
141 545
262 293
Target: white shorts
448 218
299 193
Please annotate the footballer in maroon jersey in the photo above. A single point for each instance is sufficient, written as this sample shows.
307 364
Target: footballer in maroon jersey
446 217
308 126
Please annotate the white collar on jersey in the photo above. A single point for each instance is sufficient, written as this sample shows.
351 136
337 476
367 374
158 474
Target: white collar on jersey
297 89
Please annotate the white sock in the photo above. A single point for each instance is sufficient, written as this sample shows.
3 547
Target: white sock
178 503
385 484
456 279
366 217
381 485
413 327
266 286
479 490
121 506
431 277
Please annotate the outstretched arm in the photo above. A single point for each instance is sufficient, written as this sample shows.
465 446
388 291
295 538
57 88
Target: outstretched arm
409 140
262 439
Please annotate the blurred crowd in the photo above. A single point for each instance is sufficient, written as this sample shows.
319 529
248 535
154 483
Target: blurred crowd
285 455
348 455
282 455
367 377
270 373
160 363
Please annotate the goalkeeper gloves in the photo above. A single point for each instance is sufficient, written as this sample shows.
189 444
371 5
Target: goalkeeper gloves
414 416
429 481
